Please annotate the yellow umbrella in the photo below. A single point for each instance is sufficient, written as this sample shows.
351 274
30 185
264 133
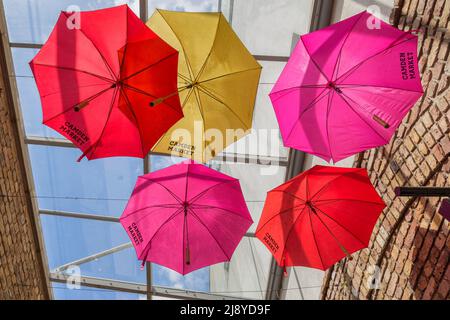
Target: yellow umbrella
217 83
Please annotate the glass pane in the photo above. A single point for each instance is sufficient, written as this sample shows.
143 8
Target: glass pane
100 186
197 280
186 5
270 19
62 292
31 21
161 162
255 181
246 274
265 138
304 284
70 239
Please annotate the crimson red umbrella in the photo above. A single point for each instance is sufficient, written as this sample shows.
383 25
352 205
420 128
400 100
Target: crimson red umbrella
97 75
319 217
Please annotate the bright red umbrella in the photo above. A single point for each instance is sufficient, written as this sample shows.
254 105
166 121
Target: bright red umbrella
97 75
186 217
319 217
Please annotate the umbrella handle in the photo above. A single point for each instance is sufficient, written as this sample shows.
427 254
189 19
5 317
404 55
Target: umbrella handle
161 99
81 105
380 121
188 256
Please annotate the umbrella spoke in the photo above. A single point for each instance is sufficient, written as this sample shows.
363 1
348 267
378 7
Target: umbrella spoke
211 95
315 240
314 61
96 48
337 64
168 206
292 228
210 233
334 220
127 102
228 74
93 147
357 113
148 67
165 188
201 194
392 45
200 206
76 70
288 210
146 250
308 107
329 183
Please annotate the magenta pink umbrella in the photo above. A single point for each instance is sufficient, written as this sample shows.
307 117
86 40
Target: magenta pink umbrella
186 217
347 87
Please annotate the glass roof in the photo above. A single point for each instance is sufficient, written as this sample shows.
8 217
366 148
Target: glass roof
80 202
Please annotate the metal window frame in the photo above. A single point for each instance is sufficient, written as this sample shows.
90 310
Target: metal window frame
57 275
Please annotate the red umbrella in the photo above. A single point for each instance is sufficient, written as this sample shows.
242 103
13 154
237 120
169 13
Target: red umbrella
319 217
97 76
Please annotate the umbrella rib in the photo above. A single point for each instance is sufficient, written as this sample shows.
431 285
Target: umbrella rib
329 182
95 46
191 73
338 60
167 189
152 212
314 238
94 146
290 231
94 96
392 45
204 90
313 61
210 233
135 119
308 107
182 106
364 120
230 74
86 86
288 193
340 225
159 228
168 206
149 66
76 70
200 206
210 50
198 196
355 200
351 86
278 214
323 86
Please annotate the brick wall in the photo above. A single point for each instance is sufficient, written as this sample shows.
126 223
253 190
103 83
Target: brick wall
411 241
22 273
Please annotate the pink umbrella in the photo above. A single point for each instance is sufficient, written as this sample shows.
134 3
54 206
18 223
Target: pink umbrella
347 87
186 217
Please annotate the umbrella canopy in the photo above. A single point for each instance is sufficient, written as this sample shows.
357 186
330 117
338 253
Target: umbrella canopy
319 217
97 77
347 87
217 78
186 217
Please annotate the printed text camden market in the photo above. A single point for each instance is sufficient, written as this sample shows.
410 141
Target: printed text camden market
407 65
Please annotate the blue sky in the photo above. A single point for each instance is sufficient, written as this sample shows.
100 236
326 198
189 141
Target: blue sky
103 185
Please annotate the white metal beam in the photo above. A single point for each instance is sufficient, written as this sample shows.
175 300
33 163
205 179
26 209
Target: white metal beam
140 288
